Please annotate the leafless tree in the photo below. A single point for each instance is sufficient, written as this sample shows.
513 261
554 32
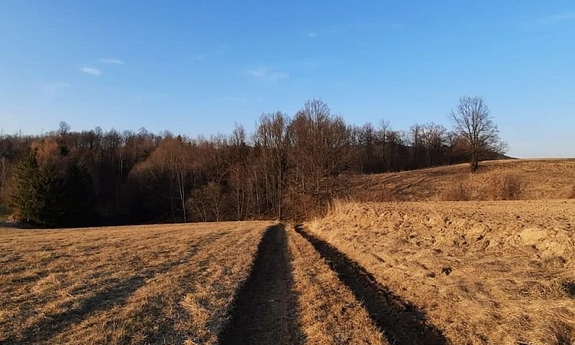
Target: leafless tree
290 168
273 139
433 138
321 143
3 174
240 184
170 162
472 122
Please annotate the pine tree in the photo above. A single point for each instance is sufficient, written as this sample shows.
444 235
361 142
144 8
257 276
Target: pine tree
24 200
49 197
76 198
50 192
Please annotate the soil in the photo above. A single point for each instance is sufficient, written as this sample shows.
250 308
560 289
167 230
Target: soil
265 310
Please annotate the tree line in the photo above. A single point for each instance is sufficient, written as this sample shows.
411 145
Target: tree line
289 168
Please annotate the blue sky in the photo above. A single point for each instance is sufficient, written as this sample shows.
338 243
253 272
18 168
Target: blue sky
200 67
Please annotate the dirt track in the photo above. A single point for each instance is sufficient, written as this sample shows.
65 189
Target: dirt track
402 322
265 310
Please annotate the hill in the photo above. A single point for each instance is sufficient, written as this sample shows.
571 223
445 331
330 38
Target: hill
534 179
481 271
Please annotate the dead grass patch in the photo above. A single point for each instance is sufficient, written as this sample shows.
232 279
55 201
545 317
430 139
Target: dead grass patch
541 179
122 285
329 313
459 191
494 272
506 187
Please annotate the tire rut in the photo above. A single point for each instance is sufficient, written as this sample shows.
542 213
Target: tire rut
265 308
402 322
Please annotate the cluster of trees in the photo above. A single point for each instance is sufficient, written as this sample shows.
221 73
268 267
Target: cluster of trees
288 168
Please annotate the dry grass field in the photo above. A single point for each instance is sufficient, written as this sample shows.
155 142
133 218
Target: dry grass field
329 312
500 272
539 179
163 284
228 283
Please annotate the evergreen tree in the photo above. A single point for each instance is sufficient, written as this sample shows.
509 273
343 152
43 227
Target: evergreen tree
76 198
50 191
24 200
49 197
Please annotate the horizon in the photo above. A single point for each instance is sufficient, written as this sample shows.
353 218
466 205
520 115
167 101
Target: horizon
199 69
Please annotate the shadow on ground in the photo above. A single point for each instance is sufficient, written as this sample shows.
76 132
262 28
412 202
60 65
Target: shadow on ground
402 323
117 293
265 308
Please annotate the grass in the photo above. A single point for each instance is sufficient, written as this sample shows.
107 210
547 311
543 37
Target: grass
524 179
329 313
498 272
122 285
497 187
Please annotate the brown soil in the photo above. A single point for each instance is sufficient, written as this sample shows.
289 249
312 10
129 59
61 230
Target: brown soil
265 310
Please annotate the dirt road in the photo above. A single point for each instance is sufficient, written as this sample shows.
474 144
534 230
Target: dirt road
266 310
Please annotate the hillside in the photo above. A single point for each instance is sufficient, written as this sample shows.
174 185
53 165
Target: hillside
539 179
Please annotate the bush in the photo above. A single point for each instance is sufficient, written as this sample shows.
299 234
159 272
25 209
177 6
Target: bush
572 194
460 191
507 187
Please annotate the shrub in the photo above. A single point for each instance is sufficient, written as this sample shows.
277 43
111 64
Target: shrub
507 187
460 191
572 194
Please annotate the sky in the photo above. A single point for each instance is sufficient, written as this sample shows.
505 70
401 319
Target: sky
201 67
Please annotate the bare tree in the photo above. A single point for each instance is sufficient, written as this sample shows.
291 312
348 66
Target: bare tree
319 154
472 122
383 134
169 167
433 138
3 174
239 172
273 139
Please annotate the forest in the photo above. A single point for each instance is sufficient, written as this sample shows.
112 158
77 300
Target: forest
290 167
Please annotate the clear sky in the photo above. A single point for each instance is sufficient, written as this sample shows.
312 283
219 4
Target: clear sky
199 67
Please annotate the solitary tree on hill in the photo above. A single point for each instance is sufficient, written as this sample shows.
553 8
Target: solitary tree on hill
472 122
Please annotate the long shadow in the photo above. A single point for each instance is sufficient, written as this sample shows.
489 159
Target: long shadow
115 294
402 322
265 307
